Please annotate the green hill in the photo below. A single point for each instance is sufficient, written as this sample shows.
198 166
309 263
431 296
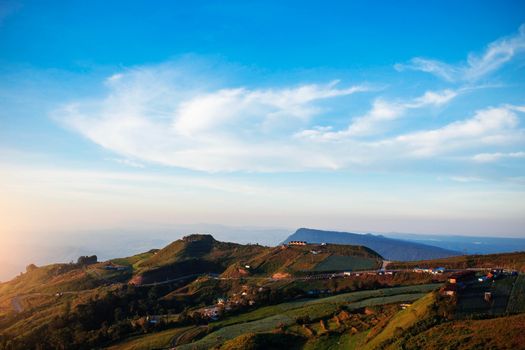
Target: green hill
192 255
158 298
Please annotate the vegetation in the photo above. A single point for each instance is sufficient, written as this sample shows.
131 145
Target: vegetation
87 260
263 341
401 321
156 300
266 319
157 340
514 261
497 333
299 259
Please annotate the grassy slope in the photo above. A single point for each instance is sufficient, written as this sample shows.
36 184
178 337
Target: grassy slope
196 254
266 319
133 261
345 341
44 282
263 341
151 341
403 319
505 260
35 290
293 259
346 263
497 333
201 253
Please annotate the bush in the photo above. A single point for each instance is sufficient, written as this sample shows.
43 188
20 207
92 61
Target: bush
87 260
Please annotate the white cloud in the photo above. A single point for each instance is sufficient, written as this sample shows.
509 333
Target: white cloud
487 127
465 179
161 115
206 112
148 116
128 162
374 121
493 157
495 55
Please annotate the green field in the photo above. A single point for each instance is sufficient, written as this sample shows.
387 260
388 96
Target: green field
346 263
517 297
268 318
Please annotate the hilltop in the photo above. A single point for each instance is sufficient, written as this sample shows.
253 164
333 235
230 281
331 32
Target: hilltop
199 254
389 248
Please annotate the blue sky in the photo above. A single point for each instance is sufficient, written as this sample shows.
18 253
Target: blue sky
369 116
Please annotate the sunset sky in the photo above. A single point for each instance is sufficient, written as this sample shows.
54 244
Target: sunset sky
405 118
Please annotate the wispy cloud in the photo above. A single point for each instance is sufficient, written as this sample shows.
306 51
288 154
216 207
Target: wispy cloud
179 115
265 107
148 117
374 121
491 126
476 66
493 157
127 162
466 179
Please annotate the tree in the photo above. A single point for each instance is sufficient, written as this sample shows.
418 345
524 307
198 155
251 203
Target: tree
87 260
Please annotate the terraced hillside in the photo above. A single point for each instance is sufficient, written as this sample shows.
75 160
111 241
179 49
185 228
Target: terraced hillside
258 327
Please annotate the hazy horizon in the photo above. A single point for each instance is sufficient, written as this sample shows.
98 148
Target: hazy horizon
63 247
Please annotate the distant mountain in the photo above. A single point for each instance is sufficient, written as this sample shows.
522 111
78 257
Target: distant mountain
389 248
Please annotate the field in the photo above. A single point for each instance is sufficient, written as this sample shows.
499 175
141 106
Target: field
517 297
403 319
268 318
471 300
345 263
133 261
505 260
